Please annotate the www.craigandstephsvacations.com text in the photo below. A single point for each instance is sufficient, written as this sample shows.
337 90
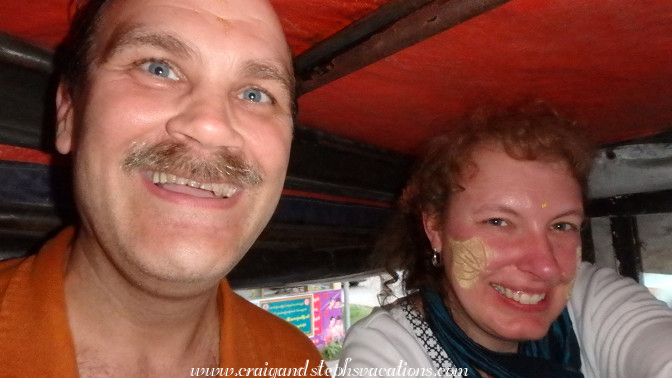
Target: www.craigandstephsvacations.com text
401 370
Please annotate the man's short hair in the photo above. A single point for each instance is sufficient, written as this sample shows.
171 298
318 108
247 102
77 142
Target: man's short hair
73 54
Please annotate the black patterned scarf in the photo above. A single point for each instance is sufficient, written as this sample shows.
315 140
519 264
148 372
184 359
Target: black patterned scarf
555 355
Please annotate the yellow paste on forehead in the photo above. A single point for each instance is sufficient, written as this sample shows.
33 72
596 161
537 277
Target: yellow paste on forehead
219 18
470 257
224 21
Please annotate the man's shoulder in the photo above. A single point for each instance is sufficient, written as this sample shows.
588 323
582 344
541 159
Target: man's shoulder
9 269
47 260
9 265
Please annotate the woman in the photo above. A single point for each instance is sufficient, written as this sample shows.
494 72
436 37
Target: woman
487 237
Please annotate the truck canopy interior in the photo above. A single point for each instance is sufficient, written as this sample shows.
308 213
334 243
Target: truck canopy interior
376 78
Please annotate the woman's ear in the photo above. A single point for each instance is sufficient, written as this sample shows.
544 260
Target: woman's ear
64 120
432 226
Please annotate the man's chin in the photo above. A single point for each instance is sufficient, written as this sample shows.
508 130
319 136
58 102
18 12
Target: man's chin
181 272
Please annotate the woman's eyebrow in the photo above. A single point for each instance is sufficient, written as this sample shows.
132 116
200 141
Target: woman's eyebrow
577 212
498 208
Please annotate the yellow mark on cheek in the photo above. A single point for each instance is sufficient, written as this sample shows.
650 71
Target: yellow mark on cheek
578 256
570 286
544 205
470 257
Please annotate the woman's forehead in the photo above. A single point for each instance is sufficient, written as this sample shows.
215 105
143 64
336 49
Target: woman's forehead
493 175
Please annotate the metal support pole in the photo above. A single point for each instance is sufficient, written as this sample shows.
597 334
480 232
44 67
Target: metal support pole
346 305
588 248
627 246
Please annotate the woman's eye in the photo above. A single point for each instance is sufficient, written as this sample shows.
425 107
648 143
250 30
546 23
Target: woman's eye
497 222
159 68
255 95
564 226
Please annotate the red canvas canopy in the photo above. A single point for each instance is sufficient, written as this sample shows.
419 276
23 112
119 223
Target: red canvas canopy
607 63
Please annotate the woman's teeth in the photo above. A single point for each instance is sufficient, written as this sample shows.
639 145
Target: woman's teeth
520 296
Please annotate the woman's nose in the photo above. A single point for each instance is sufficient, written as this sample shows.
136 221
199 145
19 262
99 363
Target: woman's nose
538 257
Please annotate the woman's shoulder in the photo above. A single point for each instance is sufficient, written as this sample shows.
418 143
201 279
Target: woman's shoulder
383 339
595 283
622 329
395 312
391 320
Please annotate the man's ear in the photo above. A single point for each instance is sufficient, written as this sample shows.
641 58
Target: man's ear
432 226
64 120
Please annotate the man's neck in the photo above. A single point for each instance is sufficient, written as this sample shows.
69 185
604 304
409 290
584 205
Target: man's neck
118 327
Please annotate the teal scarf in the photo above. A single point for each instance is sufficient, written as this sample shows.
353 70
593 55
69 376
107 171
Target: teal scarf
555 355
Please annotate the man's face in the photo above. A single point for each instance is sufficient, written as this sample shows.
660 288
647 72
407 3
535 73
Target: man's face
181 135
511 245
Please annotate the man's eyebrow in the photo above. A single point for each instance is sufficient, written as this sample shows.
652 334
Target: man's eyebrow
268 71
132 37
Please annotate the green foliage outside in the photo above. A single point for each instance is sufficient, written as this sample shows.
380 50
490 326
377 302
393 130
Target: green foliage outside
333 350
357 312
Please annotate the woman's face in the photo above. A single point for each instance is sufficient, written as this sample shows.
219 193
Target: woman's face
511 247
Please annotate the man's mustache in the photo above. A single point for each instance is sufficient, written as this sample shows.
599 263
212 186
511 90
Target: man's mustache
220 166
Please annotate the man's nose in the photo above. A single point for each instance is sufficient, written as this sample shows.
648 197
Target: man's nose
206 120
538 257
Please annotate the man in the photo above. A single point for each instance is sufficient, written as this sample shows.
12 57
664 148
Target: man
178 115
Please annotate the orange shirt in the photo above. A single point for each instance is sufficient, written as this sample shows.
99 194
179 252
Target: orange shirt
35 338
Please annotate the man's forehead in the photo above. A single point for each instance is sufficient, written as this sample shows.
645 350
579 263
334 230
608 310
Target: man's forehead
224 11
116 30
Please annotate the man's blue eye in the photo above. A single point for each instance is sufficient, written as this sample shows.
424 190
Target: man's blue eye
255 95
161 69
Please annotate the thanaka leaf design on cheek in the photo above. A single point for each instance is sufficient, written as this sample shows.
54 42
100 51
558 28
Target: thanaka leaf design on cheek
470 257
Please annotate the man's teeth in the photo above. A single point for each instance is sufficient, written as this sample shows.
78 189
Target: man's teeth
520 296
219 190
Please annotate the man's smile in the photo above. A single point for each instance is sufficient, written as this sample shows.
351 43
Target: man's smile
183 185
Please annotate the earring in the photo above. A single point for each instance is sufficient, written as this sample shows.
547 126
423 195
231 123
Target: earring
436 257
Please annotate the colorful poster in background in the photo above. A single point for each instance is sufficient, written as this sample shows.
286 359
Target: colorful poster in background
328 317
297 310
319 314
